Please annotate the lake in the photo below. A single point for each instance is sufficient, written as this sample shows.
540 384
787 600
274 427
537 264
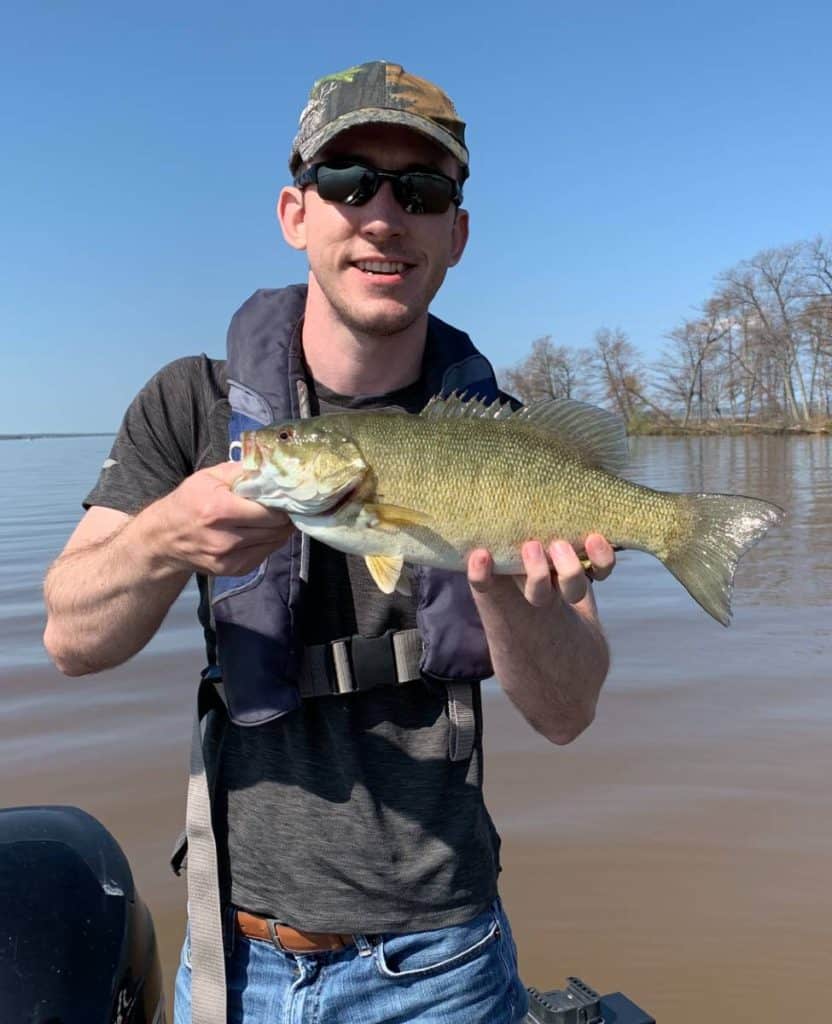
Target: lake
679 850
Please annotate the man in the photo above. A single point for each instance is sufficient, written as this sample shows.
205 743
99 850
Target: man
357 862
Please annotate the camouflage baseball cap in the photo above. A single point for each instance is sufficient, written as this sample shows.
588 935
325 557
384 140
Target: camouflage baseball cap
376 93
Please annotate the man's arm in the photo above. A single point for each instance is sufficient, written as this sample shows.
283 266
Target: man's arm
111 587
546 643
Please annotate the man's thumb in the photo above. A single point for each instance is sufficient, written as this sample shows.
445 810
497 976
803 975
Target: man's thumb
227 472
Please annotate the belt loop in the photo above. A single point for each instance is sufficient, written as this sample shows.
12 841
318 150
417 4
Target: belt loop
271 923
364 947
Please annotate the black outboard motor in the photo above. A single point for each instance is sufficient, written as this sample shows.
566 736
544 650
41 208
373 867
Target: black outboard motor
77 944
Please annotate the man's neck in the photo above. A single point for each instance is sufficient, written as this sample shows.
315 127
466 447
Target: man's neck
353 363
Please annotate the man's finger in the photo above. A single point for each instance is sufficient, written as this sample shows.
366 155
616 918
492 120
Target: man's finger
601 554
537 589
571 579
480 570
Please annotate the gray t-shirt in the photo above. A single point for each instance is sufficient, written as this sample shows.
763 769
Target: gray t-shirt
345 815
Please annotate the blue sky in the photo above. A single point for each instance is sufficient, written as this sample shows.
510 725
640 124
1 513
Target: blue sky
622 155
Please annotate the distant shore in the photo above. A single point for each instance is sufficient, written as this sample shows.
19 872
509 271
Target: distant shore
730 428
40 437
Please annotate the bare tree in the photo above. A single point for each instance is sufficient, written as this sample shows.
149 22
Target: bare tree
621 375
549 371
681 374
771 287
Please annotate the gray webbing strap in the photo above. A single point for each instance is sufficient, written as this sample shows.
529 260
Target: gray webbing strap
407 652
463 721
208 999
305 410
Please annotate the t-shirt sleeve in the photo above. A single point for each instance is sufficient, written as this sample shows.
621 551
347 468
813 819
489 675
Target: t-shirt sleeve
158 441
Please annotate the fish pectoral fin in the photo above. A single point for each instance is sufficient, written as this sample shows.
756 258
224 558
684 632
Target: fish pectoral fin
395 515
386 570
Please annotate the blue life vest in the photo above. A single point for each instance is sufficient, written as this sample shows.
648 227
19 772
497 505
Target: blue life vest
258 616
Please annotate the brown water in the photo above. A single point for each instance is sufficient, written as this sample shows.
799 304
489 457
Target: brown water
679 851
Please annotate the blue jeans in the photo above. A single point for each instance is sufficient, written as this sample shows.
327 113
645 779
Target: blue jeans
463 974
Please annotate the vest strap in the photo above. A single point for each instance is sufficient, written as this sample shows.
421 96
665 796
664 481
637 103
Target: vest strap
208 993
361 663
463 721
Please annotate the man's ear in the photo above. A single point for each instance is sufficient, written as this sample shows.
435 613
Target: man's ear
459 237
291 214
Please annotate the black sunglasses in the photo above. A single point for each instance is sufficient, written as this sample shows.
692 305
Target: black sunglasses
353 183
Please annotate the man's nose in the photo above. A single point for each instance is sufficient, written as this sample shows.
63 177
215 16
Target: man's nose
383 214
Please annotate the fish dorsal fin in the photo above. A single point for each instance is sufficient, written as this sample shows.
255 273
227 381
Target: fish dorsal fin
597 437
456 407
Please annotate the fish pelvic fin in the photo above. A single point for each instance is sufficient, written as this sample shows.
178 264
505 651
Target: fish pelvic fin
595 436
386 570
715 532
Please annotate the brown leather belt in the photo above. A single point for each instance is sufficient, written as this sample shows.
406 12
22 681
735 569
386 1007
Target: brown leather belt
289 939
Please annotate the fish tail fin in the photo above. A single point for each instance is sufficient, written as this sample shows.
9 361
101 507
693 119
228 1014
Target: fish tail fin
714 532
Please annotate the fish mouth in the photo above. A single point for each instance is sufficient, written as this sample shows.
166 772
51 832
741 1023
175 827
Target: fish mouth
250 486
339 503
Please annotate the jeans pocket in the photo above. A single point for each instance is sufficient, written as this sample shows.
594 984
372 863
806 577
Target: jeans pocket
422 954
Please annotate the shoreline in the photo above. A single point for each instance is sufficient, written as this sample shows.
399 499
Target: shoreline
48 436
732 429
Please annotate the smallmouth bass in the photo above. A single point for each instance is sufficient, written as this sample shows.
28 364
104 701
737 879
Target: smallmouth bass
429 488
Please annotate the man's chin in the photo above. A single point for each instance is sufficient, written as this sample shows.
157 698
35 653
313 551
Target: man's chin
382 322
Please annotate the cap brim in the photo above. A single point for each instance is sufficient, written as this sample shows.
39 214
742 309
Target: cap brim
382 115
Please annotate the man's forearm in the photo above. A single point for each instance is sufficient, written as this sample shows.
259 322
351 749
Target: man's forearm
546 643
109 592
551 661
106 600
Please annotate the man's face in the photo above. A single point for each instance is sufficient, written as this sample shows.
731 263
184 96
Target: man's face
351 248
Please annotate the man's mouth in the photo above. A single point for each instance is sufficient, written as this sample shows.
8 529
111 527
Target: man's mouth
382 267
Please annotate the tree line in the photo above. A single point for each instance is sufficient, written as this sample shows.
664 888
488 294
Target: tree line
757 351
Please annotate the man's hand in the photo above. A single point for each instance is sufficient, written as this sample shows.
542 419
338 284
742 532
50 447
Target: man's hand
202 526
546 644
560 576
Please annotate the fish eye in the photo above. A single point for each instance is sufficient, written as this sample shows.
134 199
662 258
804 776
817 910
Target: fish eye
286 434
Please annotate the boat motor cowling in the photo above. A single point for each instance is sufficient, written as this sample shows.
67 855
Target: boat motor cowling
77 944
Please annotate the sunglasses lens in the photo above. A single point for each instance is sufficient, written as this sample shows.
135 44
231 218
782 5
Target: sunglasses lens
424 193
354 184
350 183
